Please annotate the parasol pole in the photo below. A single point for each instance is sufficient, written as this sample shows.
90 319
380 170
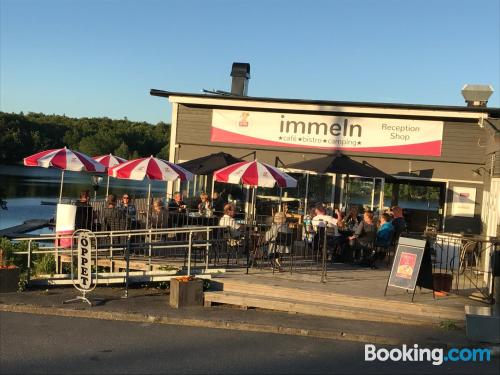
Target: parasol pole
213 187
307 193
147 204
254 203
280 202
107 187
61 189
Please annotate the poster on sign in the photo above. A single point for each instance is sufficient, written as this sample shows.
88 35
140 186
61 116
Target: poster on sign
464 201
407 261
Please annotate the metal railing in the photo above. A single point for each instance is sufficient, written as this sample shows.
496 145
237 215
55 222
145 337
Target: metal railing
466 261
165 245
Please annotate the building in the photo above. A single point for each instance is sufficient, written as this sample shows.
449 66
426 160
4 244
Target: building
444 157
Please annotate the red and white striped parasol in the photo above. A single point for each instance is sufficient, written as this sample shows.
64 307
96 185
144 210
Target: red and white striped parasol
254 173
109 161
152 169
66 160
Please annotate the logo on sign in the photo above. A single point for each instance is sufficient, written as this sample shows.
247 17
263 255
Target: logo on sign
244 119
84 260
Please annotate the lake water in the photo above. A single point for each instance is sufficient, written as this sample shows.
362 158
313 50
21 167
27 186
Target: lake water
24 188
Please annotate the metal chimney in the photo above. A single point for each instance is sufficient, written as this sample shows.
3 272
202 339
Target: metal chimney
477 95
241 74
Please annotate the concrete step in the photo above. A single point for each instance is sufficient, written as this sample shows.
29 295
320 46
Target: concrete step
317 309
302 295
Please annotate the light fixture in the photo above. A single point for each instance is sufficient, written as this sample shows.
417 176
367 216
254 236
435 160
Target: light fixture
477 172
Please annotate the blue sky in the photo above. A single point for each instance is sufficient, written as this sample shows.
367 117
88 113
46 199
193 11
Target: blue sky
100 58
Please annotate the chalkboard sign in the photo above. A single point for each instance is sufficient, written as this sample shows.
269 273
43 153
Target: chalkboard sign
407 261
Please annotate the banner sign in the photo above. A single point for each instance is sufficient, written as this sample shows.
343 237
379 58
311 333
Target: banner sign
84 273
322 132
407 261
464 201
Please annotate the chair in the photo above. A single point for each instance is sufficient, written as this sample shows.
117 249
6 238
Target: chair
381 251
231 243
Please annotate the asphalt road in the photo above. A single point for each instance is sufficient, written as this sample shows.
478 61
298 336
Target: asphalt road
50 344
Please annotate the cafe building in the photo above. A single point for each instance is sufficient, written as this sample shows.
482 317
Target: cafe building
442 162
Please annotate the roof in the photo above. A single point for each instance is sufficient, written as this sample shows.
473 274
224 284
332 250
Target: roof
492 111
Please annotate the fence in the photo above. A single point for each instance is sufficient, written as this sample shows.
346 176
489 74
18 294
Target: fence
174 248
186 247
464 263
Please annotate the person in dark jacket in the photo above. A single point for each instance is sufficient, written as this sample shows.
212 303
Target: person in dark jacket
84 213
218 204
130 211
363 238
398 221
177 204
113 217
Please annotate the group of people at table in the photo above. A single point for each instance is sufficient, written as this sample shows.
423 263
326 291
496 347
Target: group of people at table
349 237
122 214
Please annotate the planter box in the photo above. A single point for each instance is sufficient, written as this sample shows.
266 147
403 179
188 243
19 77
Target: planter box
186 293
9 280
442 282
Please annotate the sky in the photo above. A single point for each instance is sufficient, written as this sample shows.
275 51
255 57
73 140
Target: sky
100 58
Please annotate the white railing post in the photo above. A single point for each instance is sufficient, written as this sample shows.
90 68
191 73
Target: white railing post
190 246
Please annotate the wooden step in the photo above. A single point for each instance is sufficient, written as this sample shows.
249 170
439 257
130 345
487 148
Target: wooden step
316 309
337 299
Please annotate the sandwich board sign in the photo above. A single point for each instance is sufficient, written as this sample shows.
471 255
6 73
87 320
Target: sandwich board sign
85 282
407 271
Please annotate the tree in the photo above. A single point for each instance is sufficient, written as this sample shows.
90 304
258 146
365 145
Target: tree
122 151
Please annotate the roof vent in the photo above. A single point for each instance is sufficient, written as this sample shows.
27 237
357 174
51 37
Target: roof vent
477 95
241 74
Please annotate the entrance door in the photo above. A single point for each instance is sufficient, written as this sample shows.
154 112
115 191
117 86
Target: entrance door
422 202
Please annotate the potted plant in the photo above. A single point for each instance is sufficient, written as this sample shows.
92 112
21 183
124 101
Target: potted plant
9 273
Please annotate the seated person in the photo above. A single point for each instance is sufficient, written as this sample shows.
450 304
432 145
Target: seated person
84 212
204 207
130 211
322 220
385 231
351 221
177 204
159 215
363 238
113 217
217 204
278 228
228 221
398 221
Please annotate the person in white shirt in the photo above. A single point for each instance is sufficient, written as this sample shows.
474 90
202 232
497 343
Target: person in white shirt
228 220
334 239
323 220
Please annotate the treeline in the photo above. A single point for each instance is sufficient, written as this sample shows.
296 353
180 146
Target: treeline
22 135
